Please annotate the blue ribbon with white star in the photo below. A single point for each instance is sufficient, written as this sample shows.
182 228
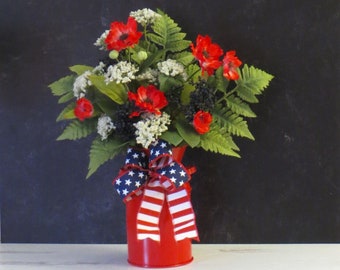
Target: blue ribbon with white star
153 167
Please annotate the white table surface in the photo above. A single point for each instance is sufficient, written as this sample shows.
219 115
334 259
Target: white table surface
207 257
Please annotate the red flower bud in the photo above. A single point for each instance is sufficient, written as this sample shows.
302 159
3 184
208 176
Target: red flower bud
83 109
202 121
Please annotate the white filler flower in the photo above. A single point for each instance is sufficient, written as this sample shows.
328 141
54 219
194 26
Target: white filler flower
151 127
122 72
81 83
104 126
150 75
172 68
100 42
144 16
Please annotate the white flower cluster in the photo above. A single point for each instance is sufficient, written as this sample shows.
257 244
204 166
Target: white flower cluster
99 69
122 72
105 126
80 84
151 127
172 68
100 42
144 16
82 81
149 75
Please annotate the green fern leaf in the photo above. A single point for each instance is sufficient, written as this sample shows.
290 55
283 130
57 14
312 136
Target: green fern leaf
77 130
233 123
178 46
102 151
245 94
168 35
252 82
216 142
236 105
62 86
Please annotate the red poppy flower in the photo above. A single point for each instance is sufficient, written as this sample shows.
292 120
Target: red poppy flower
122 36
202 121
83 109
148 99
230 65
207 54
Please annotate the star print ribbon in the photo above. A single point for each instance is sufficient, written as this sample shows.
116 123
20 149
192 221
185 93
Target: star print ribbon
159 178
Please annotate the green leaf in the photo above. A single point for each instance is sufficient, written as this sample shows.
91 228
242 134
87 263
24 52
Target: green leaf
185 94
166 83
172 137
102 151
221 82
104 104
185 58
80 69
193 72
236 105
114 91
187 132
67 112
151 60
62 86
77 130
168 35
233 123
65 98
216 142
252 82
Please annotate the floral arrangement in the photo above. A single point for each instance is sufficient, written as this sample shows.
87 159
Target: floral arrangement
155 84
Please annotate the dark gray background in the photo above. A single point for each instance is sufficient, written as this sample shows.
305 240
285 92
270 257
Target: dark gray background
284 189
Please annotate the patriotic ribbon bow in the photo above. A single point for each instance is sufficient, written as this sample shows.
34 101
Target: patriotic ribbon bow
159 178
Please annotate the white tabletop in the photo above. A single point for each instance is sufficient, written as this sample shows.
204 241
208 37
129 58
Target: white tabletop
211 257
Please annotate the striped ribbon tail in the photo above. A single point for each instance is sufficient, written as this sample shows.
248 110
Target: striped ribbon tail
183 216
149 212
